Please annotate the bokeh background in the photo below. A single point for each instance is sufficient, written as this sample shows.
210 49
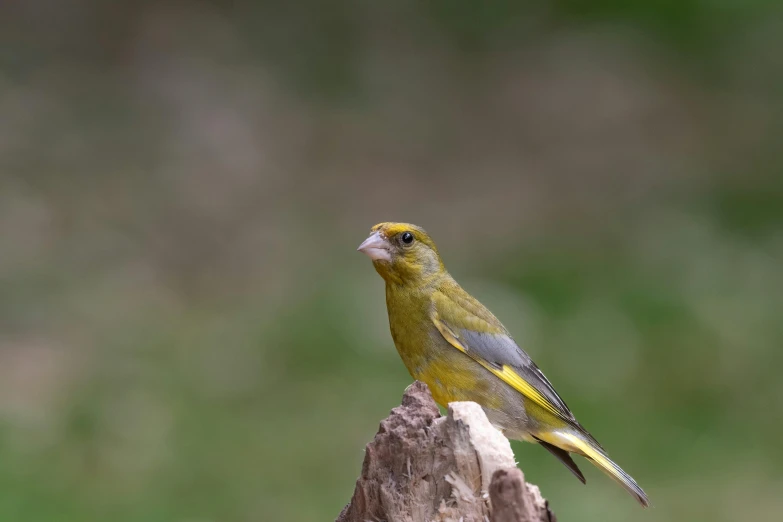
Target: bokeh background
187 333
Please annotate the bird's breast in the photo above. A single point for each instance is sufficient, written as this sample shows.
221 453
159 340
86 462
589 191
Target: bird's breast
450 374
411 328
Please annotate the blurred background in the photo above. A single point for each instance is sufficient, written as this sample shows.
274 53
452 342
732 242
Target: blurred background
188 334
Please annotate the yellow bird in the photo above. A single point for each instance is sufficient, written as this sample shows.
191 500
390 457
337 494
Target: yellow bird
450 341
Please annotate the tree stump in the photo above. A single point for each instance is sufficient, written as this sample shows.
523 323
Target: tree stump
423 467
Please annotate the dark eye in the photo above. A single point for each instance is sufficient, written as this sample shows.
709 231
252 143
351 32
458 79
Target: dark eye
407 238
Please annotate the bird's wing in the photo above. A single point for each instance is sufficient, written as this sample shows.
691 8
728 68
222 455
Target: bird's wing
469 327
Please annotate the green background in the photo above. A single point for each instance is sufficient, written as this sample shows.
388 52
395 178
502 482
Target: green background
187 333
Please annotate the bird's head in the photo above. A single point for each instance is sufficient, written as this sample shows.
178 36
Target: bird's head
402 253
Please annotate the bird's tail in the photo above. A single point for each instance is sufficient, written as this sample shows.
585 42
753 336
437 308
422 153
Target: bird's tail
583 445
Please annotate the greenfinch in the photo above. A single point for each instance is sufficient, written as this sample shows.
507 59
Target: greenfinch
451 342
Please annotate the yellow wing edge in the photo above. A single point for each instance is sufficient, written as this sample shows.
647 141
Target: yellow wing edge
505 373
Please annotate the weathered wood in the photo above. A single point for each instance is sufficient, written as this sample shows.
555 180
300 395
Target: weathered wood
513 500
423 467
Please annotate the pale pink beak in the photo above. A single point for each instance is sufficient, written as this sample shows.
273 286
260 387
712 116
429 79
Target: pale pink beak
376 247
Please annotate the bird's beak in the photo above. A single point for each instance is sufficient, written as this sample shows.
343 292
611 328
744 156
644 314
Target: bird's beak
376 247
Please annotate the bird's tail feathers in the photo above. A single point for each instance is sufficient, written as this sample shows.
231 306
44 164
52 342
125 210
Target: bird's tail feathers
564 457
575 443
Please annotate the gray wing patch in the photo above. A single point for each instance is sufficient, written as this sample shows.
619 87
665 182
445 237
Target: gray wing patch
495 348
499 350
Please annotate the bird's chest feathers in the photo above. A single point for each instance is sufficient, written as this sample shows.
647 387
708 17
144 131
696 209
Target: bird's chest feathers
411 328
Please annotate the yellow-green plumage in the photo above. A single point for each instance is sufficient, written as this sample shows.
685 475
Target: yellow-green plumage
450 341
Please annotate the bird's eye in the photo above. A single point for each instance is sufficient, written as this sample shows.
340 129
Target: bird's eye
407 238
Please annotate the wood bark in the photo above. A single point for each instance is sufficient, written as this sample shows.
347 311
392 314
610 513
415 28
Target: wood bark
423 467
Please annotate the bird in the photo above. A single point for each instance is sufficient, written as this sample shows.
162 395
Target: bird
450 341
